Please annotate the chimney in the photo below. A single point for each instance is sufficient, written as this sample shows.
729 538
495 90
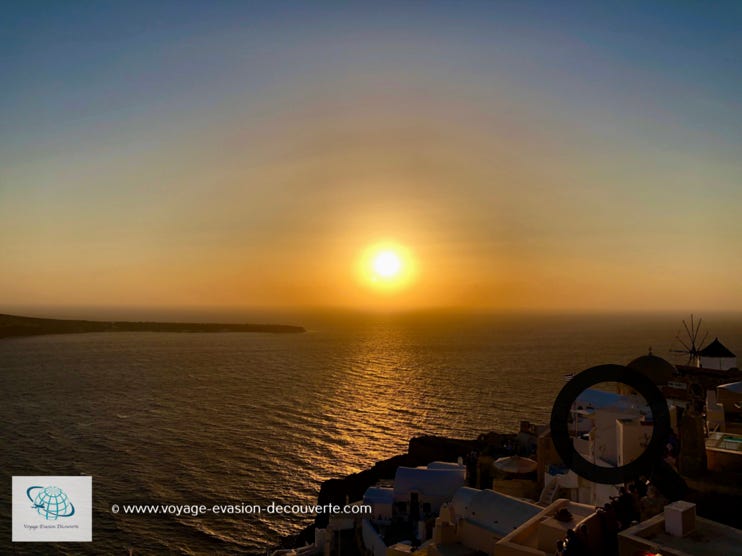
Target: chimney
680 518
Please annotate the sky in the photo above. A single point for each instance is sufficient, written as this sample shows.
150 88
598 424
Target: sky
516 155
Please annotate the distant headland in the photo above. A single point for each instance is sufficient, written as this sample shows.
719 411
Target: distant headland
14 326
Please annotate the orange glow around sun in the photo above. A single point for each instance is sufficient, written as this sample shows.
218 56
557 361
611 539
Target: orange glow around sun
387 266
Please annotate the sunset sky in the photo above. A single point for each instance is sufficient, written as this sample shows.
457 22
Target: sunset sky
517 155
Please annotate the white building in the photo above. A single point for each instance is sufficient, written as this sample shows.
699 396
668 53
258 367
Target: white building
539 535
610 430
381 500
477 519
426 489
618 423
678 531
716 356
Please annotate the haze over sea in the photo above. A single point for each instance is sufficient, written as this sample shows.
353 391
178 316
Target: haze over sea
167 418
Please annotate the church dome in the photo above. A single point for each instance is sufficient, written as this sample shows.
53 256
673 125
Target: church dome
657 369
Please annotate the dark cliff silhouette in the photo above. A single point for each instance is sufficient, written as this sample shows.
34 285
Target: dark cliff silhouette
13 326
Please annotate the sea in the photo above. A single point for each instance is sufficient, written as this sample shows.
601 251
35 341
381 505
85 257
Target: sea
253 418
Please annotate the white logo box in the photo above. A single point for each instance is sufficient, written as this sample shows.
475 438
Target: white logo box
52 509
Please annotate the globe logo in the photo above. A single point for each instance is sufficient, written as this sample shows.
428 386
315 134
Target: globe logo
50 502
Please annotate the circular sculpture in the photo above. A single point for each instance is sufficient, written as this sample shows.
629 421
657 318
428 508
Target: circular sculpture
643 464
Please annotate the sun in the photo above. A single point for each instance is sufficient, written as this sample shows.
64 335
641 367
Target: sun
387 267
387 264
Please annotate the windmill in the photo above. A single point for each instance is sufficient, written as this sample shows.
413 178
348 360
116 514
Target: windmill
691 345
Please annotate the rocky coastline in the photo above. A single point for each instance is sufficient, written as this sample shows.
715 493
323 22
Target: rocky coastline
713 493
421 450
12 326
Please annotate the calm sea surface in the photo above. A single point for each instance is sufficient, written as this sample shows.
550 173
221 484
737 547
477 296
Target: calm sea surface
164 418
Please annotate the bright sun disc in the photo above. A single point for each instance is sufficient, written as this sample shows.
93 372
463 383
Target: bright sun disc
387 267
387 264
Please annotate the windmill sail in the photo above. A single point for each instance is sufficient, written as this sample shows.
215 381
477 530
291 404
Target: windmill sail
690 343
